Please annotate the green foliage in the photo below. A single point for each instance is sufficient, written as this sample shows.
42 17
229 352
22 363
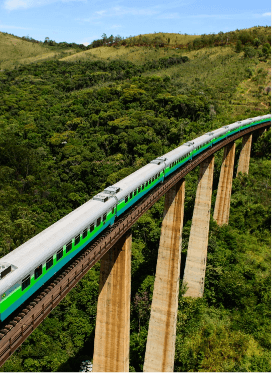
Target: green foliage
238 47
266 50
249 52
254 36
68 130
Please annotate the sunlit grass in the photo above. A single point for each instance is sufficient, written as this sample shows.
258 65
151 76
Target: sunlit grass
15 51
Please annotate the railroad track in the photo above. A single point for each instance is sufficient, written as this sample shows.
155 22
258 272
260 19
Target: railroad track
19 326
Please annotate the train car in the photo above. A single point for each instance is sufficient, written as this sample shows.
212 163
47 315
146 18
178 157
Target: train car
27 268
136 185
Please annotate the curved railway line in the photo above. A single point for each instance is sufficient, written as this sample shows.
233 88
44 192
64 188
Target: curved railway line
22 322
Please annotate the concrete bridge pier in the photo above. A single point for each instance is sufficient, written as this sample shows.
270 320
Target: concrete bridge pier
195 267
243 165
222 203
160 347
112 331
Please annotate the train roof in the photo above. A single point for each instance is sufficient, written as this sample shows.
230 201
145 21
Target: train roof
40 247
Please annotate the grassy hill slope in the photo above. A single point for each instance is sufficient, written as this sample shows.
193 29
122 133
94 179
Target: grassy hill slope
15 51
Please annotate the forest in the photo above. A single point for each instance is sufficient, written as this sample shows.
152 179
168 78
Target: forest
68 129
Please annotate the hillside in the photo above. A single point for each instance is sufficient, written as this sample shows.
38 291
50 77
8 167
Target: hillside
16 51
68 129
138 49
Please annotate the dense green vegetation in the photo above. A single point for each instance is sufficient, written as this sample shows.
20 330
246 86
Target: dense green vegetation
69 129
253 37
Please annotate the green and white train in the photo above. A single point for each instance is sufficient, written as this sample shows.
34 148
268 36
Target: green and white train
27 268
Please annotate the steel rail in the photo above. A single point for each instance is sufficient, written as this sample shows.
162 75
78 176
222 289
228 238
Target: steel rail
38 307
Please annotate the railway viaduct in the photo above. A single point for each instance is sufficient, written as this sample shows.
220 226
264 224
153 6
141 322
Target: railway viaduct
113 248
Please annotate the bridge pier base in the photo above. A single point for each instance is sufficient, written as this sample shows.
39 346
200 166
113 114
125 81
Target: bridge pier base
243 165
112 331
160 347
195 267
222 203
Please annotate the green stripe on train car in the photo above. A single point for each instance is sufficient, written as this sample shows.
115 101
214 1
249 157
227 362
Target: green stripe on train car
17 293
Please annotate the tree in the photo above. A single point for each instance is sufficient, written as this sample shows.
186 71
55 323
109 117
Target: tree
238 47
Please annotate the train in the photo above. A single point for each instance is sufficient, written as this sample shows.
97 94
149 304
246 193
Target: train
24 270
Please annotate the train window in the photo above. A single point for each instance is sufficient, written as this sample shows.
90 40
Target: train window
38 272
25 282
68 247
59 254
49 262
77 239
98 222
84 233
126 199
91 227
112 211
104 217
145 184
131 195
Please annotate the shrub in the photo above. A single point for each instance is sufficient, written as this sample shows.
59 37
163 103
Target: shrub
249 52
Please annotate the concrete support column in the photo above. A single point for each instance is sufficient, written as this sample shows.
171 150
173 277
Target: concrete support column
243 165
112 331
195 267
160 347
222 204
